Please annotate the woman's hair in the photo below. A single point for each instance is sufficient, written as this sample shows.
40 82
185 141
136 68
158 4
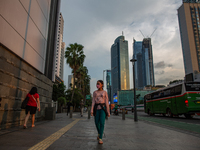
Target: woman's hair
101 81
33 91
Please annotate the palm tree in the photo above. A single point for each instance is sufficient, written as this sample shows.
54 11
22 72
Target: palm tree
81 74
75 58
87 85
83 80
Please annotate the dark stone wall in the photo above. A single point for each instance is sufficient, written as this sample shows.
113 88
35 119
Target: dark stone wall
17 77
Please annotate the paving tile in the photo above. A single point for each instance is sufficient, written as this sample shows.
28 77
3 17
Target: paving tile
119 135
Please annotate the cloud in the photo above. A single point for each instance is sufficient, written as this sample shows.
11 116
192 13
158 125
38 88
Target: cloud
159 72
160 64
170 65
96 24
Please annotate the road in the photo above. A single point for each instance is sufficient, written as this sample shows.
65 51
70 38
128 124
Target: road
195 120
191 126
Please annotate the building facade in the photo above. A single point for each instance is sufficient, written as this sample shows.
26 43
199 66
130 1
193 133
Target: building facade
127 97
70 81
120 65
144 69
108 83
189 24
60 49
27 47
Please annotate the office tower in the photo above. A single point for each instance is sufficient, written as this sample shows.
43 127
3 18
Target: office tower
144 69
108 82
139 73
27 53
189 23
148 57
60 49
191 1
120 65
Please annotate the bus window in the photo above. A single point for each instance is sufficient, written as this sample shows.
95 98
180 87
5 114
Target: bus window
192 86
178 89
172 91
167 93
148 97
155 95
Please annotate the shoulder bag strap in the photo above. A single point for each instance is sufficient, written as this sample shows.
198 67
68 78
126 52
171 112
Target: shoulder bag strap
35 100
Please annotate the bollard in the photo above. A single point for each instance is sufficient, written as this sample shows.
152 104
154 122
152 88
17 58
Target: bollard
88 112
71 110
123 113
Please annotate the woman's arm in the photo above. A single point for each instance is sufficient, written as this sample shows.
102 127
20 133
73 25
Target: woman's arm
38 102
93 103
107 104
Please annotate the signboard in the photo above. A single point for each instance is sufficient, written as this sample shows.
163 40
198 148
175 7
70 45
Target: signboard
115 98
88 96
195 86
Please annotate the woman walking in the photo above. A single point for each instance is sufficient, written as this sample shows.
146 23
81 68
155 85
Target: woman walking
32 105
100 108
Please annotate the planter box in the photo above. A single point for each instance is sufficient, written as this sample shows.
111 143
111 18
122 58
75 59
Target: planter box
50 113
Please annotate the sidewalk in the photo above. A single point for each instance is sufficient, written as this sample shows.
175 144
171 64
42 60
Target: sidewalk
80 134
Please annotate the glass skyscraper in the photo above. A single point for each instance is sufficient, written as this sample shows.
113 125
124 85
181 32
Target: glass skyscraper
189 23
144 69
120 65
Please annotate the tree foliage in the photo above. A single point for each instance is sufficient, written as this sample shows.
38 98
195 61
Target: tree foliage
76 98
75 58
62 101
58 91
83 81
174 81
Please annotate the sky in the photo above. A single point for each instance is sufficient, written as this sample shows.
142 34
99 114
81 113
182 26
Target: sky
95 24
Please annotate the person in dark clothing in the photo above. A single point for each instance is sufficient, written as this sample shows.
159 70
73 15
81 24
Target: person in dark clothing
68 107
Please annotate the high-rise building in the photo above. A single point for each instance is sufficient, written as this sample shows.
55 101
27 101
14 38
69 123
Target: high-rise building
60 49
108 82
189 23
27 55
191 1
144 69
138 55
70 81
120 65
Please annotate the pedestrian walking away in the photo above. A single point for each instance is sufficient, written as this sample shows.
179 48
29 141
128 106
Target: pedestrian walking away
100 109
32 105
68 107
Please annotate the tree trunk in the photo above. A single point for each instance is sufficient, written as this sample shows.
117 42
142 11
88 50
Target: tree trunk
74 75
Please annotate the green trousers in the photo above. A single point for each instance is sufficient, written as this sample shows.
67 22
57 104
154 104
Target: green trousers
100 121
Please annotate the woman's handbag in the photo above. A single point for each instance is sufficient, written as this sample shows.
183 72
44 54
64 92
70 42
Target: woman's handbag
24 103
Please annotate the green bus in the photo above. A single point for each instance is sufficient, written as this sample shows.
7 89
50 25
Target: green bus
174 100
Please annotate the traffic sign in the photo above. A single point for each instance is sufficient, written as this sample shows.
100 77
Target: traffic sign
88 96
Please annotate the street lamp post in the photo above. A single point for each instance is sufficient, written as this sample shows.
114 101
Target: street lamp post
110 97
135 103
